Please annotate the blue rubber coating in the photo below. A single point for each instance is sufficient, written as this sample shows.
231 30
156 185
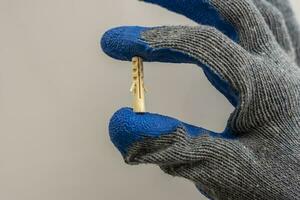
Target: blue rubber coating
200 11
127 127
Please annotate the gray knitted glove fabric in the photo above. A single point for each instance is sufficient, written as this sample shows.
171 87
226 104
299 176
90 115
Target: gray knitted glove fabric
280 17
258 155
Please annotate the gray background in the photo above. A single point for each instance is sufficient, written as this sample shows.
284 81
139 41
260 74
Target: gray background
58 91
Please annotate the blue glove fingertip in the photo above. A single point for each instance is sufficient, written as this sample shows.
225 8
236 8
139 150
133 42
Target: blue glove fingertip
127 127
123 43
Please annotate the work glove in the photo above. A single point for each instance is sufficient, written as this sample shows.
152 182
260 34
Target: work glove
280 18
249 52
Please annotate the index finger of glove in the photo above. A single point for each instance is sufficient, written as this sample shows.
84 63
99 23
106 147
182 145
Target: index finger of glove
199 11
222 60
232 17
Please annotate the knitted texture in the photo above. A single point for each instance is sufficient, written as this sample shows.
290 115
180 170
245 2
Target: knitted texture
246 168
263 161
258 154
284 8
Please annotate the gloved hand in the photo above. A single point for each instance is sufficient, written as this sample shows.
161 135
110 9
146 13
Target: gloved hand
280 18
248 50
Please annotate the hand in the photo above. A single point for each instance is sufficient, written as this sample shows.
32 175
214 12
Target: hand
249 53
279 16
